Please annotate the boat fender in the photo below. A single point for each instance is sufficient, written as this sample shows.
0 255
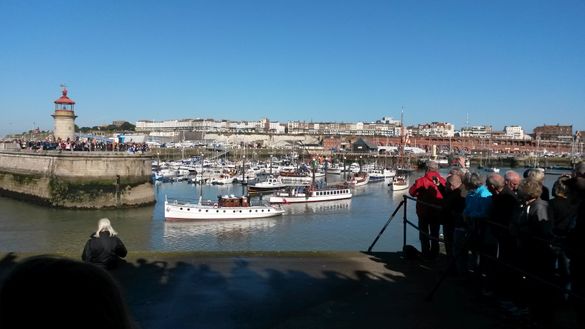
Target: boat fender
168 209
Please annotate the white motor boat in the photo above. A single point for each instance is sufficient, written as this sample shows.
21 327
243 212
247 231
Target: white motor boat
270 184
227 207
359 179
399 183
311 194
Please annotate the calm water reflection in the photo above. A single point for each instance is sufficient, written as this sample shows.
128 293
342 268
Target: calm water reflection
342 225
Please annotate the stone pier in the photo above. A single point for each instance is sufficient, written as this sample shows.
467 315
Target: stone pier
77 179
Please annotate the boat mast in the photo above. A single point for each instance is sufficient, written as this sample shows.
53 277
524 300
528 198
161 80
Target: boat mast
201 180
401 150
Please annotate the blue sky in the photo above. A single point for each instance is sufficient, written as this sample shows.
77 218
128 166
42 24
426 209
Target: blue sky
502 62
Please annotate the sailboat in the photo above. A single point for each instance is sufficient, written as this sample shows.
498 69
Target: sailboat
401 182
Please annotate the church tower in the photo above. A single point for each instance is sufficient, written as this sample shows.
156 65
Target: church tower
64 117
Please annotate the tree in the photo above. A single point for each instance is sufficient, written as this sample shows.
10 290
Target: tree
127 126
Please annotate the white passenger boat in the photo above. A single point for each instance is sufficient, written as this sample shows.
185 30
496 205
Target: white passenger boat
379 175
290 177
311 194
226 207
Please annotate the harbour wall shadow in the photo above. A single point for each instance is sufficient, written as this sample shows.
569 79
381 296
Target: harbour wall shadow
290 290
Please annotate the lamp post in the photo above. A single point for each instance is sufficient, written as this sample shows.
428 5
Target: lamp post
344 171
270 164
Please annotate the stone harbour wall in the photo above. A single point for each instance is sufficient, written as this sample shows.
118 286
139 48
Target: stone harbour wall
76 179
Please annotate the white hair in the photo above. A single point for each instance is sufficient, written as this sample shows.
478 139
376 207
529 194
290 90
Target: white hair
103 226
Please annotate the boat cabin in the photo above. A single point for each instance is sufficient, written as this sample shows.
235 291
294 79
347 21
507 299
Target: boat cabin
233 201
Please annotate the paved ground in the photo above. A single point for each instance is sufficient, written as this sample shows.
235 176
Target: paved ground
296 290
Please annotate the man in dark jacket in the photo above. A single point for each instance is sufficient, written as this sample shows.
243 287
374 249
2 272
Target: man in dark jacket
104 248
452 212
429 199
576 242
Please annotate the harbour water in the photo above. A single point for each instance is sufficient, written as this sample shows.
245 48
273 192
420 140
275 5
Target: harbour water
347 225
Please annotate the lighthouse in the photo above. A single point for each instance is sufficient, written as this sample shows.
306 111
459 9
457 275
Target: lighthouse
64 117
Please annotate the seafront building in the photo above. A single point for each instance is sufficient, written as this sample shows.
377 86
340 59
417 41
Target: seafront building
384 132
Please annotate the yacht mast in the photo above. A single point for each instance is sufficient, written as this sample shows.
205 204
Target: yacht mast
401 151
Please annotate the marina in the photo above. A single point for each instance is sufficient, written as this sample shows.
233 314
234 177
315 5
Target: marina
344 225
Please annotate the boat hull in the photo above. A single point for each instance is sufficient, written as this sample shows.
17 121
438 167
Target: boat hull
398 187
192 211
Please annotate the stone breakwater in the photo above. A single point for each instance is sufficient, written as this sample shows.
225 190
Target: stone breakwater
77 180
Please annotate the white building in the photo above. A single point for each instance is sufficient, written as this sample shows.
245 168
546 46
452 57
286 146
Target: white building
476 131
435 129
514 132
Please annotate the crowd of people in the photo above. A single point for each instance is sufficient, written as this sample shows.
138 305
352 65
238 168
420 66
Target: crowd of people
507 233
82 144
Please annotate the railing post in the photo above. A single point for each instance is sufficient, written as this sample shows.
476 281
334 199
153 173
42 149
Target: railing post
404 223
386 225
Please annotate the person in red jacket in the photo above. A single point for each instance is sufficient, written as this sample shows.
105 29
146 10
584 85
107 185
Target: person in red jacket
427 190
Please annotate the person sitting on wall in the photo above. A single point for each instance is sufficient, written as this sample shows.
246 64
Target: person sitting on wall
104 248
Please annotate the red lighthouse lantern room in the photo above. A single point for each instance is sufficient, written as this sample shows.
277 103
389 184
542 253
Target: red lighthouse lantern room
64 103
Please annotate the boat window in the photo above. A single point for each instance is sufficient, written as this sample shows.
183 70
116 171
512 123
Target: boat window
217 211
181 208
188 209
262 210
206 210
199 210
